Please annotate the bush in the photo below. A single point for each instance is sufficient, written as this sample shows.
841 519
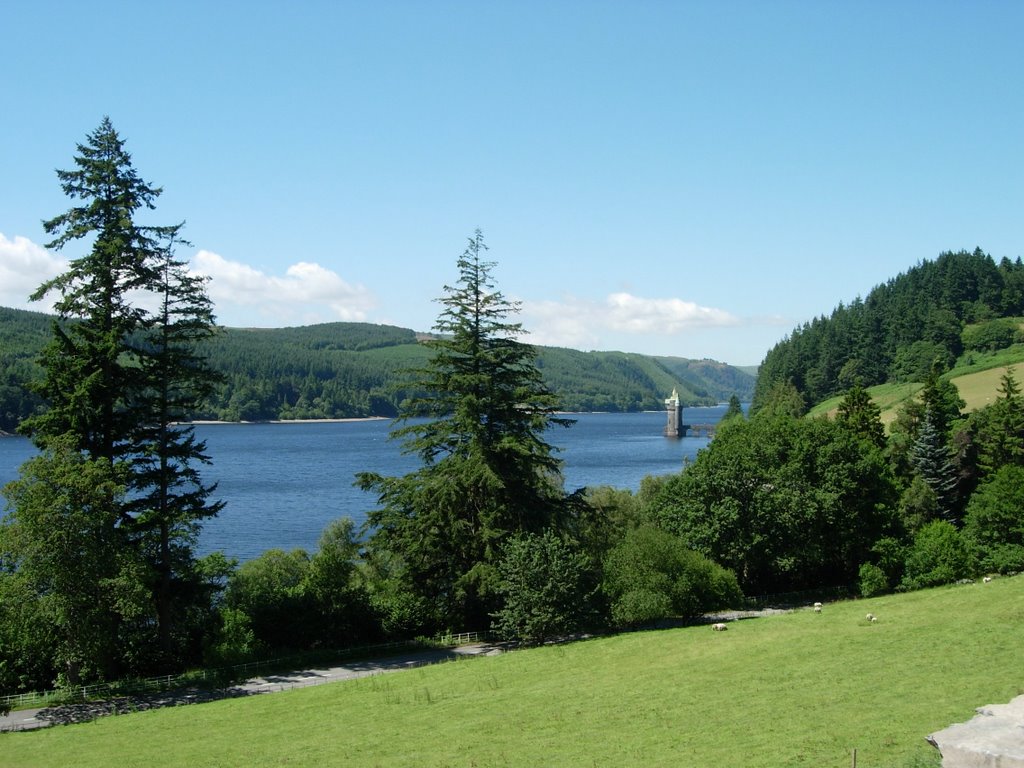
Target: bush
873 580
991 335
268 590
652 575
233 642
994 523
638 607
937 556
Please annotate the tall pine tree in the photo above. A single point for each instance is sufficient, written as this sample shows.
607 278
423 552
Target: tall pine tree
91 365
169 499
117 379
488 473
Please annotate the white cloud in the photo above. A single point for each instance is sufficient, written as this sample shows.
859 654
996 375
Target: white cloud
584 324
24 266
306 293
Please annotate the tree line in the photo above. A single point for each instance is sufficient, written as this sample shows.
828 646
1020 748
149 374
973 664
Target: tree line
98 574
961 301
353 370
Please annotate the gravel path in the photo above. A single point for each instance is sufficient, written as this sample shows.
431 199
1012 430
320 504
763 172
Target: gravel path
30 719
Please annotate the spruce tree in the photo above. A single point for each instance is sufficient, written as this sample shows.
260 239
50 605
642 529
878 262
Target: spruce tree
1000 428
169 499
479 427
118 377
91 365
934 463
860 414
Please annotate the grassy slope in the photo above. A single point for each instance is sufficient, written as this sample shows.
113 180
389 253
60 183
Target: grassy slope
977 381
799 689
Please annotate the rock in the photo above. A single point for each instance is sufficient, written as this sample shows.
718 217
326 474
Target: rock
994 738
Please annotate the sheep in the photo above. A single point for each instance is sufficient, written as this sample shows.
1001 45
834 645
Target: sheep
719 627
987 579
871 617
817 607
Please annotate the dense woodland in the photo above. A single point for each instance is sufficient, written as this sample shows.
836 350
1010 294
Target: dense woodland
902 327
346 370
98 575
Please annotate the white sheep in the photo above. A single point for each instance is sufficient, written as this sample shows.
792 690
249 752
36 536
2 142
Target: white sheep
871 617
987 579
817 607
719 627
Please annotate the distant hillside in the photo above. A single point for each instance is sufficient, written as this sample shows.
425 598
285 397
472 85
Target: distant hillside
341 370
937 312
977 377
22 335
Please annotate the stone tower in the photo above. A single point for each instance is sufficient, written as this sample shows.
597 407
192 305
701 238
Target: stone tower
675 413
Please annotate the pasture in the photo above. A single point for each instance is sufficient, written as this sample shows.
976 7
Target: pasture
793 689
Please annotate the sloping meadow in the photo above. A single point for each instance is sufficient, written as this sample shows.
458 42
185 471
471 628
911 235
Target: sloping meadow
793 689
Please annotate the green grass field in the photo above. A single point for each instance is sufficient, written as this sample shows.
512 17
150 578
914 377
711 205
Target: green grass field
795 689
977 379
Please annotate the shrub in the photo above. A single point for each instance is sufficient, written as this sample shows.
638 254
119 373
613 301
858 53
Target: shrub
994 523
937 556
652 574
873 580
991 335
637 607
268 590
234 641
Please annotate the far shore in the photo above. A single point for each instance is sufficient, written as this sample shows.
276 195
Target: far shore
293 421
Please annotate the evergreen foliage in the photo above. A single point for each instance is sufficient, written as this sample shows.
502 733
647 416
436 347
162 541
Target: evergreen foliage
899 330
91 366
487 471
545 589
116 379
998 431
933 462
994 522
734 410
859 413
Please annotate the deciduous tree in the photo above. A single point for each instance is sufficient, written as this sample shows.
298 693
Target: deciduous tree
63 543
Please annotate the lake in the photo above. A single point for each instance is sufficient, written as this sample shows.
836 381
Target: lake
284 482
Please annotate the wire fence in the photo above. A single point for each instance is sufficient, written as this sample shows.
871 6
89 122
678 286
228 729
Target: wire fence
792 599
219 675
201 678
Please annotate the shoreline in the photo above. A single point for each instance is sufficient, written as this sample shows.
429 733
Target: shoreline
204 422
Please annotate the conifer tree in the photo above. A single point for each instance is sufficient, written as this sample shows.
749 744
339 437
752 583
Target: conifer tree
860 413
91 364
487 471
118 377
169 499
934 463
1000 428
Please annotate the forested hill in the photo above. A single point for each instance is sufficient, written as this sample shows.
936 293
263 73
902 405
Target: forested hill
937 311
340 370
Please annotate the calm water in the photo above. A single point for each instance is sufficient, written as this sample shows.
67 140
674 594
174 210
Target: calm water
284 482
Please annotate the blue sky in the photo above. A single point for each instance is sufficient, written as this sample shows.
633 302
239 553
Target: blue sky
674 178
